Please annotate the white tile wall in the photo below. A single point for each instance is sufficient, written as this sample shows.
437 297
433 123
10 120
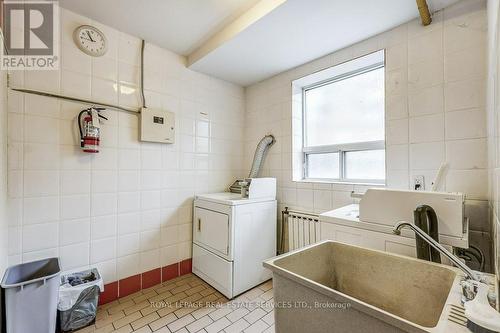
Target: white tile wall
127 209
435 110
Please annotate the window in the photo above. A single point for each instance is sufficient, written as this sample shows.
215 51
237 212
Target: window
343 122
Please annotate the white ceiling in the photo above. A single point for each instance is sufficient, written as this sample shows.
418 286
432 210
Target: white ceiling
296 32
302 30
177 25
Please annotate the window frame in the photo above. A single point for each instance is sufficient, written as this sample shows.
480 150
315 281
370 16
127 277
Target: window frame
341 149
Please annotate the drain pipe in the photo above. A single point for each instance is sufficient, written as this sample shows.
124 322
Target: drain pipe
423 9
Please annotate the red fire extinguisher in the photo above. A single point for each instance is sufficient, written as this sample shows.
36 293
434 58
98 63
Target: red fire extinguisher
90 129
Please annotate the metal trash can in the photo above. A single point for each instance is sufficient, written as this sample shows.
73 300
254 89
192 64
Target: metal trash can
31 291
78 299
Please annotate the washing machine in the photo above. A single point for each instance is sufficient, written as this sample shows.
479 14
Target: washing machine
233 235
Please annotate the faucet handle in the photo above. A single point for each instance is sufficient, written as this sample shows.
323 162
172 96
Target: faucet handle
469 290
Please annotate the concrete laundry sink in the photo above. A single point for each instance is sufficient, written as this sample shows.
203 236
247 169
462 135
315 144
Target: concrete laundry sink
333 286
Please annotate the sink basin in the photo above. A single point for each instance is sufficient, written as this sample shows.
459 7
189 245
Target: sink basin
360 290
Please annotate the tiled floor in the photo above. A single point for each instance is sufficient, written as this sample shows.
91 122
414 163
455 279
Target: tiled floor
187 304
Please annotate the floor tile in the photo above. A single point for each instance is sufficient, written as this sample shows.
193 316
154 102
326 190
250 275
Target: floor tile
136 307
219 313
238 326
179 323
218 325
121 306
145 296
187 304
164 321
270 329
269 318
163 330
237 314
109 319
255 315
203 311
127 320
257 327
124 329
144 321
199 324
267 295
106 329
144 329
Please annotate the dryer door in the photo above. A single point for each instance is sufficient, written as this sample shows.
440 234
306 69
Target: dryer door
211 230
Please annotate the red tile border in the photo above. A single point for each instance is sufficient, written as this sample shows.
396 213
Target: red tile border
130 285
109 294
151 278
169 272
185 266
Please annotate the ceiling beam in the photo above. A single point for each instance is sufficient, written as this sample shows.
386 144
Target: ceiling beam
258 11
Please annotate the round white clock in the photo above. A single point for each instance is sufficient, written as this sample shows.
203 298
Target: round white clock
90 40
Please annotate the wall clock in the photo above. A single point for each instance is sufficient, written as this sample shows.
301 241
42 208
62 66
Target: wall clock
90 40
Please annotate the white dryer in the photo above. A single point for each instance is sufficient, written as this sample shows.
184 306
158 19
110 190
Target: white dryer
232 236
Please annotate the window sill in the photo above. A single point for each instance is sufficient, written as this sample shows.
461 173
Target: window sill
337 182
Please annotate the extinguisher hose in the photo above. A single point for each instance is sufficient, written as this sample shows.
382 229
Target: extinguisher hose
80 126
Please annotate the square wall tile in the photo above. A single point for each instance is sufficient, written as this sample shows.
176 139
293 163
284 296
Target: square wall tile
74 231
426 101
465 124
467 154
129 285
75 206
465 94
40 209
128 244
74 256
40 236
396 131
169 272
75 182
103 227
427 128
427 156
102 250
128 266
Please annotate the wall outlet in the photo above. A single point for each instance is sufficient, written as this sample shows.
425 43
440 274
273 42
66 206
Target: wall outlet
419 183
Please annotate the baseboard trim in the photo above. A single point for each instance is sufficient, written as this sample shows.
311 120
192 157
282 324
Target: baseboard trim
132 284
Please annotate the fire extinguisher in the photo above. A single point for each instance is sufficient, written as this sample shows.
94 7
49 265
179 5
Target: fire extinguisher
90 129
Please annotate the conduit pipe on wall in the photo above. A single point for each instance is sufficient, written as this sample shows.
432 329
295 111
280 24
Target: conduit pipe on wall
425 14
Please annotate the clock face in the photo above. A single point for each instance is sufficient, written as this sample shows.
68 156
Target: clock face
90 40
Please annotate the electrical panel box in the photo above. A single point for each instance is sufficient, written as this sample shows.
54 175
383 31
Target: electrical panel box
157 126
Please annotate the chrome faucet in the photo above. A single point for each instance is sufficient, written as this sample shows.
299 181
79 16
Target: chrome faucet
400 225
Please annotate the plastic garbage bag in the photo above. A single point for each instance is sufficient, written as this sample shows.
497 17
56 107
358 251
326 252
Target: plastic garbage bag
68 293
78 299
82 313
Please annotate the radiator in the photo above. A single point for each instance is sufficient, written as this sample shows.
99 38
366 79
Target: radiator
298 229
